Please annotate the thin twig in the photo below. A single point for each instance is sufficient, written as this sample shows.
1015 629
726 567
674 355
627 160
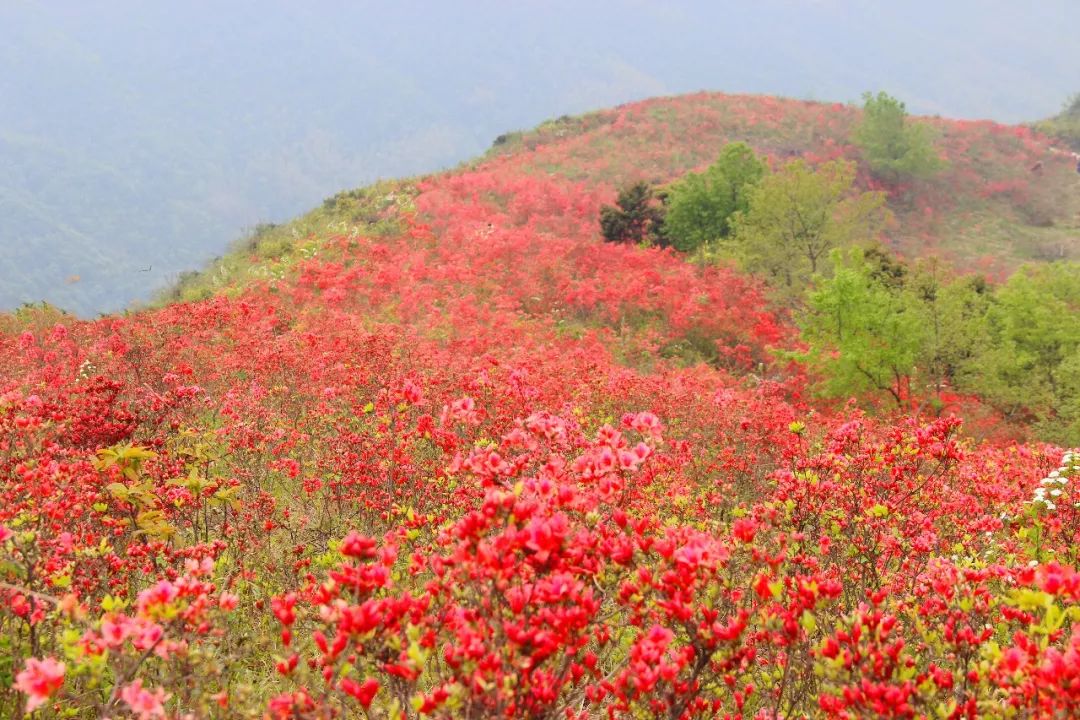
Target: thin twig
31 593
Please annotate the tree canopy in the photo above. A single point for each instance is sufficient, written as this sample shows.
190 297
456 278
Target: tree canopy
861 337
701 206
895 149
916 333
1032 363
798 215
1065 126
635 218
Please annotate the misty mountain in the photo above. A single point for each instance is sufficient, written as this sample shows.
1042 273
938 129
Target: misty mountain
137 139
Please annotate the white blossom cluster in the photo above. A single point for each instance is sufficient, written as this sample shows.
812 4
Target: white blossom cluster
1055 488
86 370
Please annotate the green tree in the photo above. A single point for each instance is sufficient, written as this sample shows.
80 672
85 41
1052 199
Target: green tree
894 148
701 205
1065 126
1017 347
951 314
798 215
1030 369
638 216
885 268
861 334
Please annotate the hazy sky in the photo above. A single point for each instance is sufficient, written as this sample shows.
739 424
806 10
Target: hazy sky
136 132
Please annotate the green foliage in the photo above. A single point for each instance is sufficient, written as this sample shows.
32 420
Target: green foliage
915 333
636 218
951 320
1065 126
894 148
701 205
270 250
862 336
885 268
1031 364
798 215
547 132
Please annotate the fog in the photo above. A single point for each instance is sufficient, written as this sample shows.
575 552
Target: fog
138 138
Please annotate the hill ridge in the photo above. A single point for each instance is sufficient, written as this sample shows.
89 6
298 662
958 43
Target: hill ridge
1017 216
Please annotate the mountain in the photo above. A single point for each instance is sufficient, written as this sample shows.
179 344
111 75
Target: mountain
437 450
1007 195
137 139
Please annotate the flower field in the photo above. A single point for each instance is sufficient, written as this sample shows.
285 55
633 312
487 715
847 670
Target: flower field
451 456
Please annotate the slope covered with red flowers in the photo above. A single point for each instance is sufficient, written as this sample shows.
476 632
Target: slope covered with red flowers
451 456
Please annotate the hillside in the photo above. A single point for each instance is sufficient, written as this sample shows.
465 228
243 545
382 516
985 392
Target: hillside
1007 196
435 450
137 139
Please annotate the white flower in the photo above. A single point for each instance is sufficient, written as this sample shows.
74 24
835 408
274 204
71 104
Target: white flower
1050 505
1055 493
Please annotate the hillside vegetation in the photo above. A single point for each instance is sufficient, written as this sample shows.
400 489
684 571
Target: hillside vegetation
1065 126
137 138
1005 197
437 450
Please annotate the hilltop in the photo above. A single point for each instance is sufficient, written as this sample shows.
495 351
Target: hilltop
1008 195
437 450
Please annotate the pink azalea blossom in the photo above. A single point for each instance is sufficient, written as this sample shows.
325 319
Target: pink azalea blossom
39 679
144 703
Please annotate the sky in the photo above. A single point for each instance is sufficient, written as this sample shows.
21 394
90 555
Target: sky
138 134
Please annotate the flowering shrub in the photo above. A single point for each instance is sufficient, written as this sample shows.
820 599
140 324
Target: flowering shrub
475 468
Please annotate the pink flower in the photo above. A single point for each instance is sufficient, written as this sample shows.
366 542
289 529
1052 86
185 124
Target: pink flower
113 631
144 703
605 461
161 594
645 423
411 392
65 542
463 409
39 679
145 634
